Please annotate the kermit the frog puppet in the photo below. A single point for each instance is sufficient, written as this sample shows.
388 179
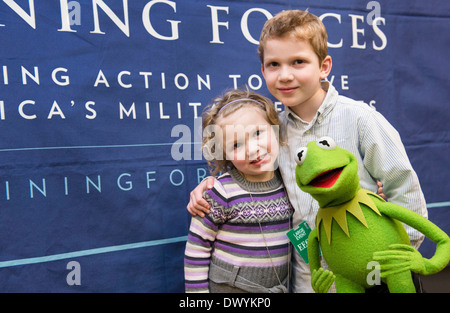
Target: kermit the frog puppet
356 227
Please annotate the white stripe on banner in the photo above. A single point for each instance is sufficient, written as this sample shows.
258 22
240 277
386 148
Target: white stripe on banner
144 244
100 147
82 253
438 204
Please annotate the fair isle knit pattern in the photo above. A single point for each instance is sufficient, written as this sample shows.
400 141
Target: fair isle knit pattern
230 235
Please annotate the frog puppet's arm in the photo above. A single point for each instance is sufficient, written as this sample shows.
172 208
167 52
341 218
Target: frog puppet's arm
404 257
321 280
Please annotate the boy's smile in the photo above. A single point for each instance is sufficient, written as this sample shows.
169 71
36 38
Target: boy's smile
292 72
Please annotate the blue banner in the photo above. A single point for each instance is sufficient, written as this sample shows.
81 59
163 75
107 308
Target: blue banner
99 122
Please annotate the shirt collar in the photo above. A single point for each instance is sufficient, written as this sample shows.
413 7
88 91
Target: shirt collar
326 107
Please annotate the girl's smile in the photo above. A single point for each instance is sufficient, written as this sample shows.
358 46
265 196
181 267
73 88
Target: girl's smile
250 143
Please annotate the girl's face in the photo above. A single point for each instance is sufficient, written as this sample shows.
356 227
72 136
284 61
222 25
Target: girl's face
250 143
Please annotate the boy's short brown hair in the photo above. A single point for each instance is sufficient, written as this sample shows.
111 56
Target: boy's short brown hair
298 24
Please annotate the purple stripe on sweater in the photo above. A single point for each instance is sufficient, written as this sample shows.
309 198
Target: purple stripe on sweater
210 224
196 262
202 242
276 226
255 228
194 286
216 198
241 228
229 178
233 237
248 251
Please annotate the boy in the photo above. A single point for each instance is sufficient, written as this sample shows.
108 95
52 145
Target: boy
295 61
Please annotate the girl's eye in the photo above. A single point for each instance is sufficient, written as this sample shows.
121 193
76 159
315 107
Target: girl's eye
237 145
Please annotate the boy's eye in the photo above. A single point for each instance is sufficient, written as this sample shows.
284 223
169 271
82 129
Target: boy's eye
298 62
272 64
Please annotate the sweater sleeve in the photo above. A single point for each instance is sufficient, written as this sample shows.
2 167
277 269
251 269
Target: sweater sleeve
201 237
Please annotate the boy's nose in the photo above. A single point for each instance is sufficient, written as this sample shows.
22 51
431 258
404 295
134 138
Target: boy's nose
285 74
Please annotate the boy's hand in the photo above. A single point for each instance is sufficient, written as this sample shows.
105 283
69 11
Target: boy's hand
380 190
197 205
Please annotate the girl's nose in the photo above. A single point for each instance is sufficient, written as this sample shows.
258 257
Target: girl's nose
252 149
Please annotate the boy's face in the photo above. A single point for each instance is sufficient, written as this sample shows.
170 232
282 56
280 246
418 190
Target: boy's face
292 72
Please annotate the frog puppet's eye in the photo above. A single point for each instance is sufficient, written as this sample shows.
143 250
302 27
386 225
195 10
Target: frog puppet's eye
300 155
326 143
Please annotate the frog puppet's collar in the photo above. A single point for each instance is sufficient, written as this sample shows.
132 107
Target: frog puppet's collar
339 212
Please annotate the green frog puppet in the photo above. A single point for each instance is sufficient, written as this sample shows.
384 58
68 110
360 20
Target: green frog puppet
356 228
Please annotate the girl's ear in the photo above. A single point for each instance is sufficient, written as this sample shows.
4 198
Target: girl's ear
326 66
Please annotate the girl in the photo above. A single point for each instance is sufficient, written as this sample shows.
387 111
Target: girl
241 245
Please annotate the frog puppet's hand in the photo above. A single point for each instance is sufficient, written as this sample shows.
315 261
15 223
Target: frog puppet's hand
321 280
407 256
400 258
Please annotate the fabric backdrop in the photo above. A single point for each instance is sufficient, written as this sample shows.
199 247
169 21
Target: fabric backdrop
99 122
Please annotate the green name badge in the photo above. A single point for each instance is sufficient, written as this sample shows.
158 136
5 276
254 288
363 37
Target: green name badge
299 239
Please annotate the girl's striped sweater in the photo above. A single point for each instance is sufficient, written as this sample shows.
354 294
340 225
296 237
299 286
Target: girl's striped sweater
230 236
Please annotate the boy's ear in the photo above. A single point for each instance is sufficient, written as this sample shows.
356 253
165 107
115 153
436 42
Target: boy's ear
262 71
325 68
